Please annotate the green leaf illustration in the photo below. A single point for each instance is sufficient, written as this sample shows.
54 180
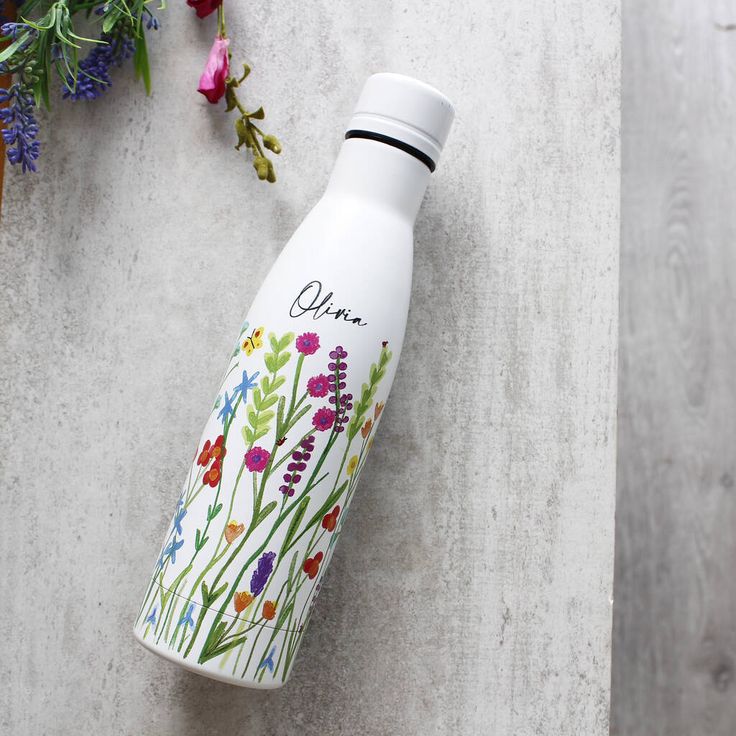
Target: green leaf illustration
296 519
265 511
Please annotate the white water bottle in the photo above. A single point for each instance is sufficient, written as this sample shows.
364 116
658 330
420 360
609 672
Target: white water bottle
264 502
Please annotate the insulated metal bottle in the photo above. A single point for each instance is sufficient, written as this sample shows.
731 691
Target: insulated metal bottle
264 502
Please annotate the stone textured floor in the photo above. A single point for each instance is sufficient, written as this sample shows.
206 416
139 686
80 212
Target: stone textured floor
471 591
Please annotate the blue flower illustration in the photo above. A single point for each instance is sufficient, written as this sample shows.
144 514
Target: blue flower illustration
179 517
247 383
268 661
227 409
151 618
186 619
170 551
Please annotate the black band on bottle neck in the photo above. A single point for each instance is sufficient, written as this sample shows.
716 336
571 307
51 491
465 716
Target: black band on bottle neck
371 136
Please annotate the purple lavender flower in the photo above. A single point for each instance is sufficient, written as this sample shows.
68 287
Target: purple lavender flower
338 373
262 572
298 465
11 30
19 126
93 76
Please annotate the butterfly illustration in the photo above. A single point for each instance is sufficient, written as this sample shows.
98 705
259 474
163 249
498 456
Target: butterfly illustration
253 342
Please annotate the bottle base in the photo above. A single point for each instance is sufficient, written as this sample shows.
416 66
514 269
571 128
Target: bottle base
213 674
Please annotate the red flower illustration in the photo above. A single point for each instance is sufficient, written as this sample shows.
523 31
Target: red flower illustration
308 343
242 601
329 521
318 386
217 451
323 419
269 610
211 452
311 565
256 459
204 456
212 476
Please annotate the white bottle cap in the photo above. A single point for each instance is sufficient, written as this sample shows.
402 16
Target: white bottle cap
403 112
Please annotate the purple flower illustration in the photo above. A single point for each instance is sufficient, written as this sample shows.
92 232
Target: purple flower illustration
298 465
308 343
262 572
342 402
323 419
318 386
256 459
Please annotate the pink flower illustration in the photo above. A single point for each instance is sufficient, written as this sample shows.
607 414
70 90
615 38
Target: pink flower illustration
256 459
308 343
318 386
323 419
212 81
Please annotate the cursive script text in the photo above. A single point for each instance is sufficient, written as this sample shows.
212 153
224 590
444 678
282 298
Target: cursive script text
310 300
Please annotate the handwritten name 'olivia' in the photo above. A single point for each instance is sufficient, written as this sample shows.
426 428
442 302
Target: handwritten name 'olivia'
310 300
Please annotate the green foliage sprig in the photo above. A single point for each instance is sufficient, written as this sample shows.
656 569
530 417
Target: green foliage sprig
45 45
249 133
217 82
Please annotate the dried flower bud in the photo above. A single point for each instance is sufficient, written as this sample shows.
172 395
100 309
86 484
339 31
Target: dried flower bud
271 177
272 143
260 164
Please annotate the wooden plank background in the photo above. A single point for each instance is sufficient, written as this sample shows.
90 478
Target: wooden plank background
674 647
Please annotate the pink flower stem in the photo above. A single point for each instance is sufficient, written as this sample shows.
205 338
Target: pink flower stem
221 27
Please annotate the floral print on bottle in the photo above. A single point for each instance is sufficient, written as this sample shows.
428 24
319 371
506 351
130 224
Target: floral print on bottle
257 519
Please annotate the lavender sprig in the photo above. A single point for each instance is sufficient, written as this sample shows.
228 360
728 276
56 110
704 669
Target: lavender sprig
19 126
93 75
343 403
44 45
298 464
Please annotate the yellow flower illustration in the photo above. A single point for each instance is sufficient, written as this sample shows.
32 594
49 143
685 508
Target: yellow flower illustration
352 464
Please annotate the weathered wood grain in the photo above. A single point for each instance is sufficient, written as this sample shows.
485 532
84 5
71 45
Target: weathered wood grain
675 590
470 593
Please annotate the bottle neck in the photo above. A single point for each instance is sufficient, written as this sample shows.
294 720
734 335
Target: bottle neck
380 175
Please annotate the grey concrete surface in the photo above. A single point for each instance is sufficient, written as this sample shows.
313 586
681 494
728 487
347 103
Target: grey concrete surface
472 591
674 645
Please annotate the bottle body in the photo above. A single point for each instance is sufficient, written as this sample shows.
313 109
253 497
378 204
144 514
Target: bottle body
258 516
